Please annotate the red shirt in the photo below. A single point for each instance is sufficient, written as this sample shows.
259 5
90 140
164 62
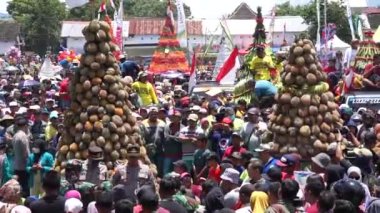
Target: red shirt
287 176
313 208
214 174
231 150
64 88
138 209
329 69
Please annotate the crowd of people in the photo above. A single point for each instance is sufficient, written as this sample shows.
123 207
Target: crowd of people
207 154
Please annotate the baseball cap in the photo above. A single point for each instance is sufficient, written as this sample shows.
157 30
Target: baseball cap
133 150
237 134
227 120
253 111
185 174
35 107
287 160
195 108
231 175
263 147
203 111
53 114
193 117
95 153
321 159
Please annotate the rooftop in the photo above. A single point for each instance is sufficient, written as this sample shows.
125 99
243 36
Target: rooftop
243 11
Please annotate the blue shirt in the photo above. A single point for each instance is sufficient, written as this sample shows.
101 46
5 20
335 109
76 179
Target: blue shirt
271 163
264 88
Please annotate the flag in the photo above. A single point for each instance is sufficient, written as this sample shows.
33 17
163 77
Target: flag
102 8
227 73
193 73
181 24
348 79
169 17
224 50
112 4
76 3
318 43
349 17
119 26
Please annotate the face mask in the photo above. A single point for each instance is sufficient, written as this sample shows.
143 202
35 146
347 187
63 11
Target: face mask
36 150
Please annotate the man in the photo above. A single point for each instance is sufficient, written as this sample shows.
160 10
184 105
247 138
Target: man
237 122
134 174
128 68
39 126
21 148
320 162
253 129
153 133
255 170
52 127
244 196
13 107
350 54
172 148
261 65
236 142
188 136
104 202
372 73
201 156
49 104
93 169
331 66
288 165
52 201
265 156
167 191
230 187
265 92
145 90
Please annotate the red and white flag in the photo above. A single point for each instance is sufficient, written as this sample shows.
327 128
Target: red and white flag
348 79
193 74
119 26
227 73
102 8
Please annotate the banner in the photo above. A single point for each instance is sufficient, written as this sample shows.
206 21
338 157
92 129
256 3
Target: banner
318 43
48 70
181 24
349 16
119 26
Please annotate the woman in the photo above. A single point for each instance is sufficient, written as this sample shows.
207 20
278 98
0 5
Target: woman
333 173
355 173
259 202
39 162
10 195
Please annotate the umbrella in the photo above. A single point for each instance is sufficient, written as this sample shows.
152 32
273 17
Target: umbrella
172 74
11 69
29 83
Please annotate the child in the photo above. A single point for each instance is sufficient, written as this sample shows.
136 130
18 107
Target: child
215 171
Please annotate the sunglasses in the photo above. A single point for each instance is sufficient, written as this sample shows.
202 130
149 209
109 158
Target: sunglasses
355 177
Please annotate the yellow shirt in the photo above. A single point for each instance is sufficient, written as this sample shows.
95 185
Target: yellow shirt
261 66
279 68
50 132
146 92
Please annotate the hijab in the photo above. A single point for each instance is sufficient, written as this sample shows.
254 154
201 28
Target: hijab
354 169
259 202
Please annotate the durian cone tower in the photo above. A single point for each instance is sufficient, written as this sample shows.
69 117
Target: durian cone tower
100 112
305 117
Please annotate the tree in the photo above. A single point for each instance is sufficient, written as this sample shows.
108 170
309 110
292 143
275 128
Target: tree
40 22
132 8
336 13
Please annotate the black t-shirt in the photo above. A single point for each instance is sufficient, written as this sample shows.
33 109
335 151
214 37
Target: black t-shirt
172 206
46 204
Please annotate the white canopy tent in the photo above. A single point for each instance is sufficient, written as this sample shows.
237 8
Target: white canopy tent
336 44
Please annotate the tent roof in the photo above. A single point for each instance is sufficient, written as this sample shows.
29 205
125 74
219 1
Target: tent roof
337 43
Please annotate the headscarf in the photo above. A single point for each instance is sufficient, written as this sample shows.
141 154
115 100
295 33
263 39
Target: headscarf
11 191
259 202
73 205
334 173
73 194
21 209
354 169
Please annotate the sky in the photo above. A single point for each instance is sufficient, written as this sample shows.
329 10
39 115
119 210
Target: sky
209 9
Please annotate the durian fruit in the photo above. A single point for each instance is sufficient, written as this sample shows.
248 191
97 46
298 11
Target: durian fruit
305 117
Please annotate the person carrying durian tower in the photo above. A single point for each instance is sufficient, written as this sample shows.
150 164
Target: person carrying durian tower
261 65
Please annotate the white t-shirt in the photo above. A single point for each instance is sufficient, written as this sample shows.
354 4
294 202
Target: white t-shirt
349 56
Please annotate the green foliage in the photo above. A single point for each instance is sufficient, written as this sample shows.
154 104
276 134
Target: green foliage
132 8
40 21
336 13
